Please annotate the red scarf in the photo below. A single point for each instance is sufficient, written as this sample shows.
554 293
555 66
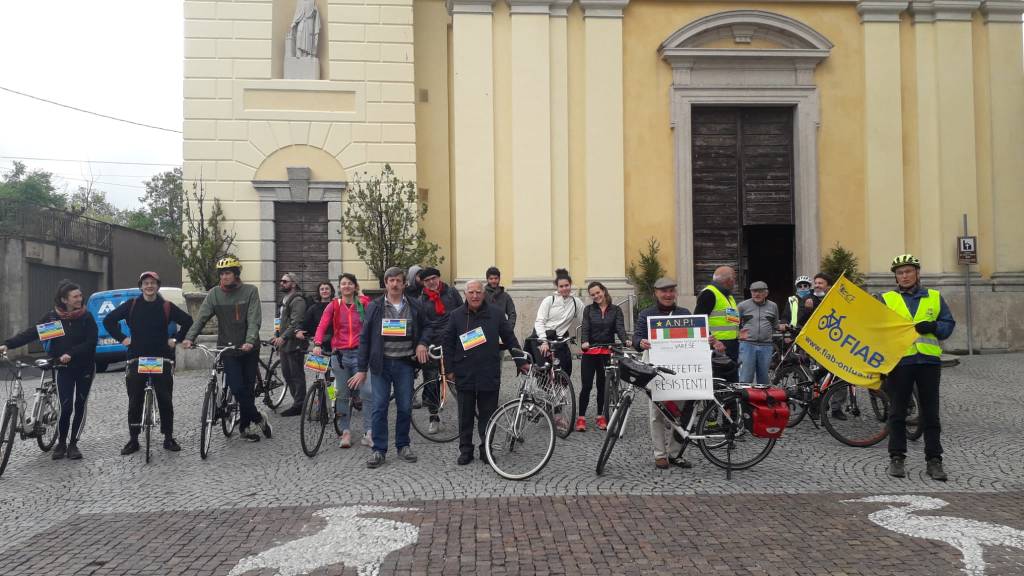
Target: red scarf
435 297
63 315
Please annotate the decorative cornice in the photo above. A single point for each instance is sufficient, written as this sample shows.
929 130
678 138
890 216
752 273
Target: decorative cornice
560 8
470 6
603 8
925 11
881 10
1008 11
529 6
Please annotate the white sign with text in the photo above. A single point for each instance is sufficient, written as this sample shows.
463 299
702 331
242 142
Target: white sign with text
680 343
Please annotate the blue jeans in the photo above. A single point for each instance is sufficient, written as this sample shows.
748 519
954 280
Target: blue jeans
755 359
343 364
397 373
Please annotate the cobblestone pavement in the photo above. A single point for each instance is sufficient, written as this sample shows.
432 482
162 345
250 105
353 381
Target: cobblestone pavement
117 515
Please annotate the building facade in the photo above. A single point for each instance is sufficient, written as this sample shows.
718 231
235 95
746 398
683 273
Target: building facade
552 133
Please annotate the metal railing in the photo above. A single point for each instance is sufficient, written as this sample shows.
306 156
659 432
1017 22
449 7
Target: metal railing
25 220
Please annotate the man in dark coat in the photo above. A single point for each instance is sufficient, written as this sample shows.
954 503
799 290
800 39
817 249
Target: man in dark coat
471 348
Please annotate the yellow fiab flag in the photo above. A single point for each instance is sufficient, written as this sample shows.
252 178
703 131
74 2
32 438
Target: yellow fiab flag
855 336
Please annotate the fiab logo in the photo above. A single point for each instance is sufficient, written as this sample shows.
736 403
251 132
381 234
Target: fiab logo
833 324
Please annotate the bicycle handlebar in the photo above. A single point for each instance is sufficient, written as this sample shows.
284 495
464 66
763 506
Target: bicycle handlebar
664 370
435 351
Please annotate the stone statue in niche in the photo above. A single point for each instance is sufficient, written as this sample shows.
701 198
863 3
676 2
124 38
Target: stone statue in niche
300 59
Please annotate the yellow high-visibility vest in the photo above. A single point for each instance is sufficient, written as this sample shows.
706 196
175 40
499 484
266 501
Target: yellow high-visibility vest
794 308
724 320
927 310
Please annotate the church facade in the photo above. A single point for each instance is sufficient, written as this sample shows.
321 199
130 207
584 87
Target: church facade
559 133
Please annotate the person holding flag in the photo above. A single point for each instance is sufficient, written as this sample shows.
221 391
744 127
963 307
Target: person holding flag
921 365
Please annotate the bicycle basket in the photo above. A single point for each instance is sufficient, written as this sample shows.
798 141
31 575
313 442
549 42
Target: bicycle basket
636 373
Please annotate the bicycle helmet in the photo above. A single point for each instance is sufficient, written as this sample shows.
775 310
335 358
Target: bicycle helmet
149 274
802 280
228 262
905 260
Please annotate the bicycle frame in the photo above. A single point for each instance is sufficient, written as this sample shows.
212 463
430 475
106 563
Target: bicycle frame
16 395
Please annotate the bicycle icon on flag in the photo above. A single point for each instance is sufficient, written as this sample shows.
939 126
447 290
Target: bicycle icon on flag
831 322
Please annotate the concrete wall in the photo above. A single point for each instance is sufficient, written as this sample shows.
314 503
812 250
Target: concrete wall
132 252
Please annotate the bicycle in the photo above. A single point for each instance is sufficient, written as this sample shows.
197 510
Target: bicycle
221 408
269 383
520 436
721 423
317 409
45 413
152 366
556 389
614 387
440 398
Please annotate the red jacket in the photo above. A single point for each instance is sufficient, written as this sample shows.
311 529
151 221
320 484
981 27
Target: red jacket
345 324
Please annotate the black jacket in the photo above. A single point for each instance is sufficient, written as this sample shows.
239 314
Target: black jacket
451 300
147 325
371 343
498 297
478 368
78 341
314 312
598 329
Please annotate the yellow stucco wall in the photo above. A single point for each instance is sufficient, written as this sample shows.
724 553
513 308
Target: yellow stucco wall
649 149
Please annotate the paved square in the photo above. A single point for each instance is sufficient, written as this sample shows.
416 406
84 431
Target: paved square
109 514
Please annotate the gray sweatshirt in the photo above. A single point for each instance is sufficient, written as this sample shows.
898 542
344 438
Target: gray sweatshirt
760 319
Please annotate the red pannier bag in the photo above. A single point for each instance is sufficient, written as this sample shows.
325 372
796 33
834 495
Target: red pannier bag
768 408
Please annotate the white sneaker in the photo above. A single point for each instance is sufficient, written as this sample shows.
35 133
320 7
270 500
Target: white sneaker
367 440
433 427
346 440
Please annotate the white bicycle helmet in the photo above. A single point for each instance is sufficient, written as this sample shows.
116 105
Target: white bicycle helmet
802 280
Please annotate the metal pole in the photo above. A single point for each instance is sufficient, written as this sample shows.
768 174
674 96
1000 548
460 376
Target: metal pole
967 301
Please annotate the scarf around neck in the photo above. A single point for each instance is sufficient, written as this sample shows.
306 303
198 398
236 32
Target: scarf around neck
64 315
435 297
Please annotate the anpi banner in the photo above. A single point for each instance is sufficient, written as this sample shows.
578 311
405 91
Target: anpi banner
681 344
855 336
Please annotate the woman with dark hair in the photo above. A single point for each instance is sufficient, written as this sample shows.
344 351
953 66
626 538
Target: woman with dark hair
602 323
556 316
324 295
343 318
71 341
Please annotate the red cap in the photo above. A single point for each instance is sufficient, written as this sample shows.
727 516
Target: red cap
151 274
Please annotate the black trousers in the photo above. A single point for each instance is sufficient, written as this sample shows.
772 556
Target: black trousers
432 393
294 375
73 385
471 404
163 385
590 366
899 386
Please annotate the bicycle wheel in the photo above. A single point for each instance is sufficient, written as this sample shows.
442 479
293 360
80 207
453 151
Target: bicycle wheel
789 379
727 430
314 419
229 412
208 419
613 433
855 420
915 427
46 425
563 404
7 435
520 439
147 420
436 408
274 387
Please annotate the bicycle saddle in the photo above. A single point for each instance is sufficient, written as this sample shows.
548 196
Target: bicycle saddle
44 363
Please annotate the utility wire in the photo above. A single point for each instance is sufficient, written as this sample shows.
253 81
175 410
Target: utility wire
91 161
144 125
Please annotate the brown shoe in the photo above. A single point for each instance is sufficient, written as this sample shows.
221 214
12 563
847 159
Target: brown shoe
661 463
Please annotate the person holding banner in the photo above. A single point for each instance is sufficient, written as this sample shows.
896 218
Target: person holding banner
665 443
69 335
921 365
148 318
471 339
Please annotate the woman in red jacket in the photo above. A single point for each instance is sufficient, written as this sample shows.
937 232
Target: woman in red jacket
344 315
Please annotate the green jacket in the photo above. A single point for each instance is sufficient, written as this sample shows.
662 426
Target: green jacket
293 314
238 315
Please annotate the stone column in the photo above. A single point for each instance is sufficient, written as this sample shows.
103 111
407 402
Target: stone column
1003 65
473 136
560 133
927 246
883 178
531 141
604 164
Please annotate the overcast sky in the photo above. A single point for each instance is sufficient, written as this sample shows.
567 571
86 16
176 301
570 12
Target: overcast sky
116 57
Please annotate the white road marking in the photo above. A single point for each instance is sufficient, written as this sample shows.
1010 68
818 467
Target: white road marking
966 535
347 539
